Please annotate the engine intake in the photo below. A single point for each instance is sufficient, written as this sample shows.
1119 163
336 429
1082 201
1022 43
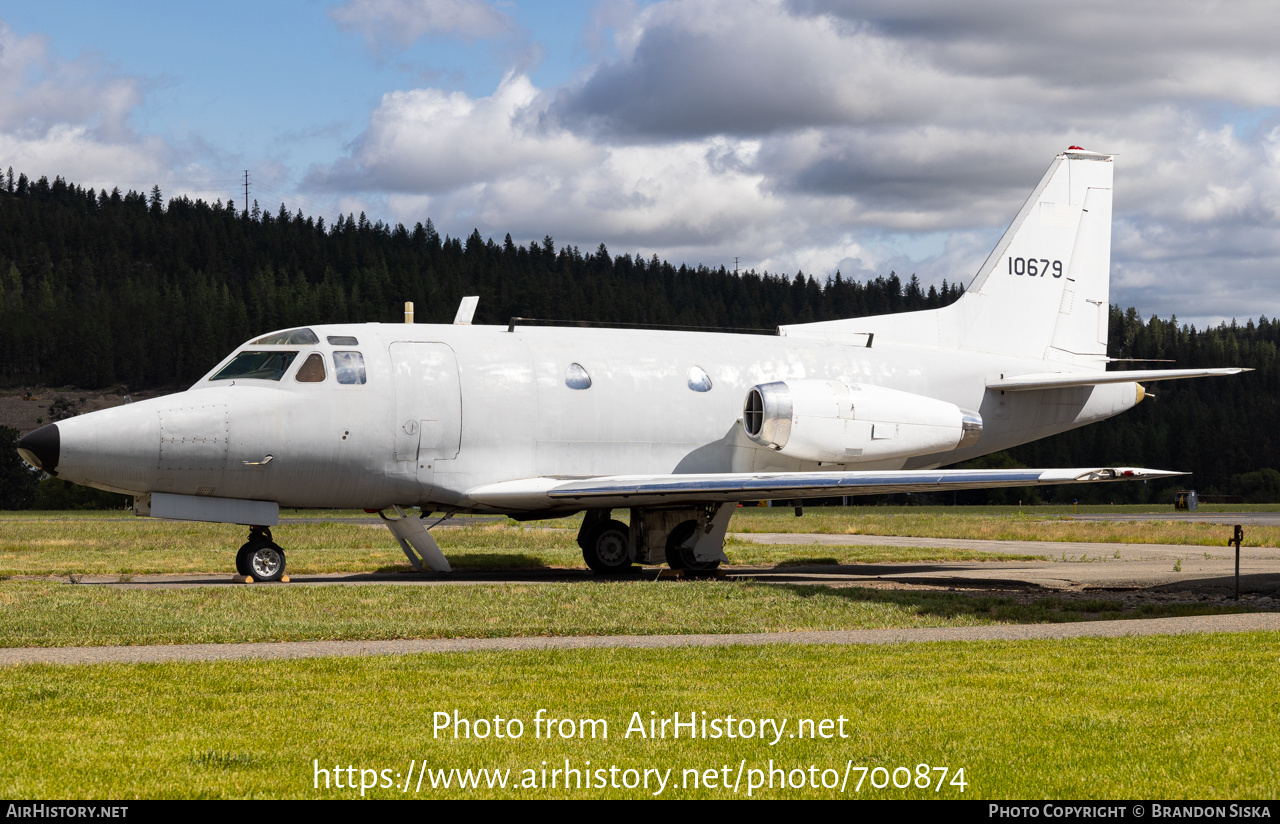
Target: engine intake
835 422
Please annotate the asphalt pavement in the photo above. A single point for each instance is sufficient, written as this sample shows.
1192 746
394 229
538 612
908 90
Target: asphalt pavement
162 653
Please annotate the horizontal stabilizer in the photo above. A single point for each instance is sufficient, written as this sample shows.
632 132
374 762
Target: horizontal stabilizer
653 490
1061 380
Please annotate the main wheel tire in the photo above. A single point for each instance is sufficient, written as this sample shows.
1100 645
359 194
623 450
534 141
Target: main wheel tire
242 558
682 557
606 548
266 562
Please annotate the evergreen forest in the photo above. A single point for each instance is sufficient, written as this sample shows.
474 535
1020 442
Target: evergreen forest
100 288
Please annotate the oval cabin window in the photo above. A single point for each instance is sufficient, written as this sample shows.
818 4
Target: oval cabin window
575 377
699 380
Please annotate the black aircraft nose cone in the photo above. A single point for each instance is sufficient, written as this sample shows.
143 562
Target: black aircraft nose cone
40 448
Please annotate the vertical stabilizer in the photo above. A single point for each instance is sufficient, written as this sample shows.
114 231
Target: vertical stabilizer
1044 290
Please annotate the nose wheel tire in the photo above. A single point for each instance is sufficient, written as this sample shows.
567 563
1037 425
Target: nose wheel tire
682 557
261 560
607 548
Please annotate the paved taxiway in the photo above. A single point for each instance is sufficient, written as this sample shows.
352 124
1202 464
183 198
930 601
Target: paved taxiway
1068 564
1248 622
1224 518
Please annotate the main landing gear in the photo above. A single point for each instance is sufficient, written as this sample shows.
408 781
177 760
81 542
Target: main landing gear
606 543
260 558
689 539
679 550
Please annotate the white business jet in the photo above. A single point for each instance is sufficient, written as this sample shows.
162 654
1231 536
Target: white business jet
677 426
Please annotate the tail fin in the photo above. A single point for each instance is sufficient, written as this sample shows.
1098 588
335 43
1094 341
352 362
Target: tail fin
1043 292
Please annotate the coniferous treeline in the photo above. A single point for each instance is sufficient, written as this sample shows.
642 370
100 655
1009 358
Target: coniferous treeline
99 288
1226 431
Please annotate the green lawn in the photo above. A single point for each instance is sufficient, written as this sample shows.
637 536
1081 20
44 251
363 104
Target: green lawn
141 545
75 543
1158 717
38 613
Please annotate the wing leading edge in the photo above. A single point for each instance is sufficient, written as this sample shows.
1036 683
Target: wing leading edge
551 493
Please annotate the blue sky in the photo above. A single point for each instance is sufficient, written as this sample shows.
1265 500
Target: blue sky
860 135
281 81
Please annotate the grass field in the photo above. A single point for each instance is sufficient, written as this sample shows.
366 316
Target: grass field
39 613
1159 718
52 613
141 545
116 543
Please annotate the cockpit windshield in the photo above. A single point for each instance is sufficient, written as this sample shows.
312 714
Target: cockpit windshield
267 366
290 337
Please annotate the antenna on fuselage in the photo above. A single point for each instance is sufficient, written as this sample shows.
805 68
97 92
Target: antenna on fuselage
408 311
466 310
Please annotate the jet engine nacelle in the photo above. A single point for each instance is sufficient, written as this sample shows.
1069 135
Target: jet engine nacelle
835 422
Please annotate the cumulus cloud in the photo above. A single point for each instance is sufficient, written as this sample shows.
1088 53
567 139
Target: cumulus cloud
1133 51
746 68
431 141
38 92
71 117
401 22
819 134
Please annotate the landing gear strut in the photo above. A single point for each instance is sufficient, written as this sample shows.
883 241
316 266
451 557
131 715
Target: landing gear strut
679 549
260 558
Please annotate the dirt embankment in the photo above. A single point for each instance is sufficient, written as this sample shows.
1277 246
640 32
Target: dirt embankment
32 407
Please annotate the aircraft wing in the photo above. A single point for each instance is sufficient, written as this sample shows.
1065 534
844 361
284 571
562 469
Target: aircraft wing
1062 380
551 493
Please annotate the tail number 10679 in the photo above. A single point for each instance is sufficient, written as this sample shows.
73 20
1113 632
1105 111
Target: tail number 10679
1035 267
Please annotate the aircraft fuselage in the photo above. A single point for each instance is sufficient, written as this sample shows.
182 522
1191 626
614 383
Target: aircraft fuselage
448 408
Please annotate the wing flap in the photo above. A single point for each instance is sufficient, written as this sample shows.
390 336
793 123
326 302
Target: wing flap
1062 380
547 493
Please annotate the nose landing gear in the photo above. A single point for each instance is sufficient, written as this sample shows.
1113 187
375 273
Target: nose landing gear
260 558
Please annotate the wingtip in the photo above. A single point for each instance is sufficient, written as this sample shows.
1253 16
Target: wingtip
1126 473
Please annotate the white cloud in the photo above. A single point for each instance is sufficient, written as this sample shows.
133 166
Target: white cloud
73 153
1133 51
402 22
38 92
71 118
747 67
431 141
818 135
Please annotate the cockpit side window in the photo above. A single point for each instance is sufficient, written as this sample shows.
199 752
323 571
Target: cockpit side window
311 370
267 366
349 367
